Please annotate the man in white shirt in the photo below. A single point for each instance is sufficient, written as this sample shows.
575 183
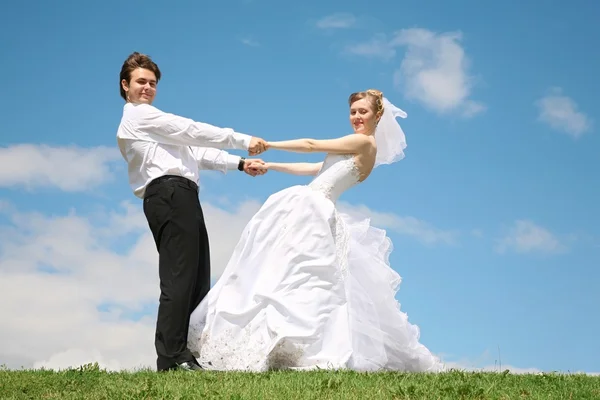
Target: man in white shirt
164 153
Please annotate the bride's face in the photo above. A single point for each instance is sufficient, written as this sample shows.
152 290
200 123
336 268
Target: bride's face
362 117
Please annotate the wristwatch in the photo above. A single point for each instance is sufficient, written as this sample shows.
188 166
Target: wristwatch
241 163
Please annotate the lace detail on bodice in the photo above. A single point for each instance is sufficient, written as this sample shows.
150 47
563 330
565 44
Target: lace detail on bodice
338 174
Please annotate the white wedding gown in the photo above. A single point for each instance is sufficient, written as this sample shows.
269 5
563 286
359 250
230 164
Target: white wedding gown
307 287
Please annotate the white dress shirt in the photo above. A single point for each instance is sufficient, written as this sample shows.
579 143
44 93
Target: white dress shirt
155 143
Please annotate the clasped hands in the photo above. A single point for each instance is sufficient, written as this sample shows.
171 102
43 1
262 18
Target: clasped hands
256 166
257 146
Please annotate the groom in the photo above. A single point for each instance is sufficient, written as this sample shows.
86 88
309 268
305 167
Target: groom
164 153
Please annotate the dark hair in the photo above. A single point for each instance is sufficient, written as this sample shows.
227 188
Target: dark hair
134 61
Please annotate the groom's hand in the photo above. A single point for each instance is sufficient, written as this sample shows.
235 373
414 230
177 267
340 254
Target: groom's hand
257 146
254 167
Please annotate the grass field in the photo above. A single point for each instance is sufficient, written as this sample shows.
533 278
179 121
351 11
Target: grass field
90 382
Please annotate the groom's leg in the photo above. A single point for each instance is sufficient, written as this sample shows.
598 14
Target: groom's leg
203 277
170 207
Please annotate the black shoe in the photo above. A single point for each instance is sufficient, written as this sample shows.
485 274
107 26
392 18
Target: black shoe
189 366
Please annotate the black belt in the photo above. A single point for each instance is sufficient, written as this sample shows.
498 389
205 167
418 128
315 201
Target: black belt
177 178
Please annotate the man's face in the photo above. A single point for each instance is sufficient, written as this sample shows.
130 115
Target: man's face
142 86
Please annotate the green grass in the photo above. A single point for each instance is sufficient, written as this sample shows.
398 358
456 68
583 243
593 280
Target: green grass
89 382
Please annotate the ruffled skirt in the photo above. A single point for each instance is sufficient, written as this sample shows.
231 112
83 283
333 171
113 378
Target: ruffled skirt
307 287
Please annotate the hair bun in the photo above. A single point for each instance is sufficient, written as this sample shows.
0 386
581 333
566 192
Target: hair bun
378 94
375 92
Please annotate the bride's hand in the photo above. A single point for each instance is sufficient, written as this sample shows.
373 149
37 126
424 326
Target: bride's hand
263 167
257 146
255 167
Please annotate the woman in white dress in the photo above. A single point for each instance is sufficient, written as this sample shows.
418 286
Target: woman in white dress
307 286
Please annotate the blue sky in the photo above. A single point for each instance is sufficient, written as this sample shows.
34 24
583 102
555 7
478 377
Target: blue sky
491 212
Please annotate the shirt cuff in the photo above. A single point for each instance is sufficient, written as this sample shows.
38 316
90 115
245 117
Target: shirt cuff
242 140
233 162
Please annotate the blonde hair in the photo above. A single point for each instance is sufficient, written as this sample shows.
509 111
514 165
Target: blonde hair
375 98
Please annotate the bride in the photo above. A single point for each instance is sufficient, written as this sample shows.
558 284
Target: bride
307 286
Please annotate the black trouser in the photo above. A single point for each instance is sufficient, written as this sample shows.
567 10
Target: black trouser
173 212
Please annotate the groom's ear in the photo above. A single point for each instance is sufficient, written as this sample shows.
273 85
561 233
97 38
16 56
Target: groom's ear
124 84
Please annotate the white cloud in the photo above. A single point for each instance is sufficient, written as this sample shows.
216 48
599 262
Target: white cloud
54 316
249 42
224 229
71 294
378 47
486 363
462 366
478 233
527 237
404 225
435 70
561 113
336 21
70 169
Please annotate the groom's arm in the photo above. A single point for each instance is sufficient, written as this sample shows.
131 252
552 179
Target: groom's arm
209 158
146 122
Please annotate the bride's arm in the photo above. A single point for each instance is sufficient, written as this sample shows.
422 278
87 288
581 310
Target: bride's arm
350 144
293 168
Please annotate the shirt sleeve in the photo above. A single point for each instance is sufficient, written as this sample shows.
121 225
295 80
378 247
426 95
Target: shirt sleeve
146 122
209 158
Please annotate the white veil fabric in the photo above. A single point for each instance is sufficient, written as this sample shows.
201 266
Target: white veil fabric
389 136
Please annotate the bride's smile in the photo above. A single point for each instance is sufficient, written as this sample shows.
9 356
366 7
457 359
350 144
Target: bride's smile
362 117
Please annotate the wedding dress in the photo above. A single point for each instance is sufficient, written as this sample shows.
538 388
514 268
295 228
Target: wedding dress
308 287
